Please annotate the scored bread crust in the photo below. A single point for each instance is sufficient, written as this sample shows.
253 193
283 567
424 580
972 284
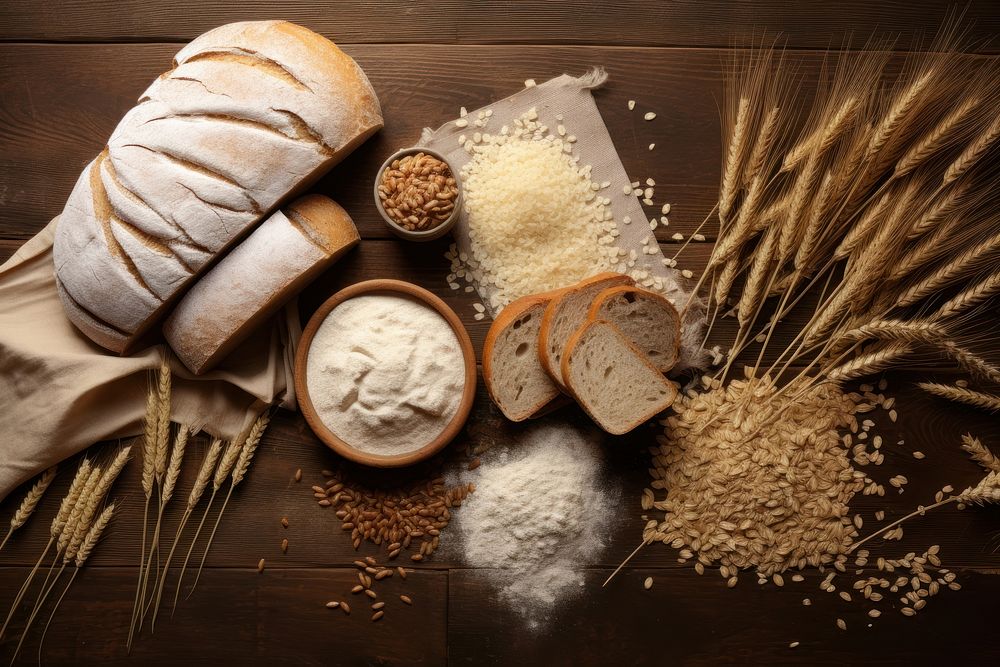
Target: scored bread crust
249 115
567 358
551 365
254 280
508 316
595 313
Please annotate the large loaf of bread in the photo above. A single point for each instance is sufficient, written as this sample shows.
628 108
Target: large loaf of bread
249 115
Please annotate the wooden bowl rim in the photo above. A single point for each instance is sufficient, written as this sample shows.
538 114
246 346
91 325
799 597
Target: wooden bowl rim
329 438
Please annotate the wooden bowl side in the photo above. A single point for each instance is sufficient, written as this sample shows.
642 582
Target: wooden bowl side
328 437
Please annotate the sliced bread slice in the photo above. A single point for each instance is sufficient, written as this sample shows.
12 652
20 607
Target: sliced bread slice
515 379
565 314
648 320
612 380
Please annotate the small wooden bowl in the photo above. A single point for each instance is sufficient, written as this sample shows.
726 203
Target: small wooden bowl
427 234
396 288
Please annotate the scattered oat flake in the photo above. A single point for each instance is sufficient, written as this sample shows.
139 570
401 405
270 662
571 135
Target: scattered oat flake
631 104
687 273
529 83
652 146
648 583
918 455
649 115
841 624
793 645
677 236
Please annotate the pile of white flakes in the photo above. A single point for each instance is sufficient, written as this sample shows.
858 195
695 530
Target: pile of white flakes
539 516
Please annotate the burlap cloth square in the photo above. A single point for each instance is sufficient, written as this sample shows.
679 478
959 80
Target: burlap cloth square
570 98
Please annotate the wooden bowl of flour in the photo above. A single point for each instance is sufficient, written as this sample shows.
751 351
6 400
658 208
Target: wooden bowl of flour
449 430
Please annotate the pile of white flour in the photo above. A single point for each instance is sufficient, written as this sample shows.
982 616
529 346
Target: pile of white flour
385 373
539 515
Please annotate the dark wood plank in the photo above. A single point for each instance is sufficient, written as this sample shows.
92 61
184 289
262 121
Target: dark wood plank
251 528
636 23
690 620
241 617
59 103
50 139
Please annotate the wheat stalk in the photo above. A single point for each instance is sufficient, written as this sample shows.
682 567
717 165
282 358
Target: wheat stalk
751 297
923 333
30 502
162 420
936 139
166 493
200 483
75 530
822 138
73 520
970 362
250 447
94 500
814 224
986 491
860 230
942 209
801 190
917 333
56 528
155 447
976 399
149 443
730 178
867 364
980 454
151 424
239 472
225 466
93 535
973 152
89 542
955 269
744 228
204 473
176 458
762 147
895 120
727 276
970 297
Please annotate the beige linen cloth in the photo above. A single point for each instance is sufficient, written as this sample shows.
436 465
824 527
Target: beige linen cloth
61 393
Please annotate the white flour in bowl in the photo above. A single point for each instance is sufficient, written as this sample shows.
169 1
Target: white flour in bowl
540 515
385 373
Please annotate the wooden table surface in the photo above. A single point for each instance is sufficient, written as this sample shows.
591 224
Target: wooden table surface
69 70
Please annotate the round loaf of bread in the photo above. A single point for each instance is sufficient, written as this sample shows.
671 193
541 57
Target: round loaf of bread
250 114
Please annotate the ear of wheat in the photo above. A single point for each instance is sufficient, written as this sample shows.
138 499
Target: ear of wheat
978 453
240 468
200 483
156 444
56 529
976 399
30 502
987 491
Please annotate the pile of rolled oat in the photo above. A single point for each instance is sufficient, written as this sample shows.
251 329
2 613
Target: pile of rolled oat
771 501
